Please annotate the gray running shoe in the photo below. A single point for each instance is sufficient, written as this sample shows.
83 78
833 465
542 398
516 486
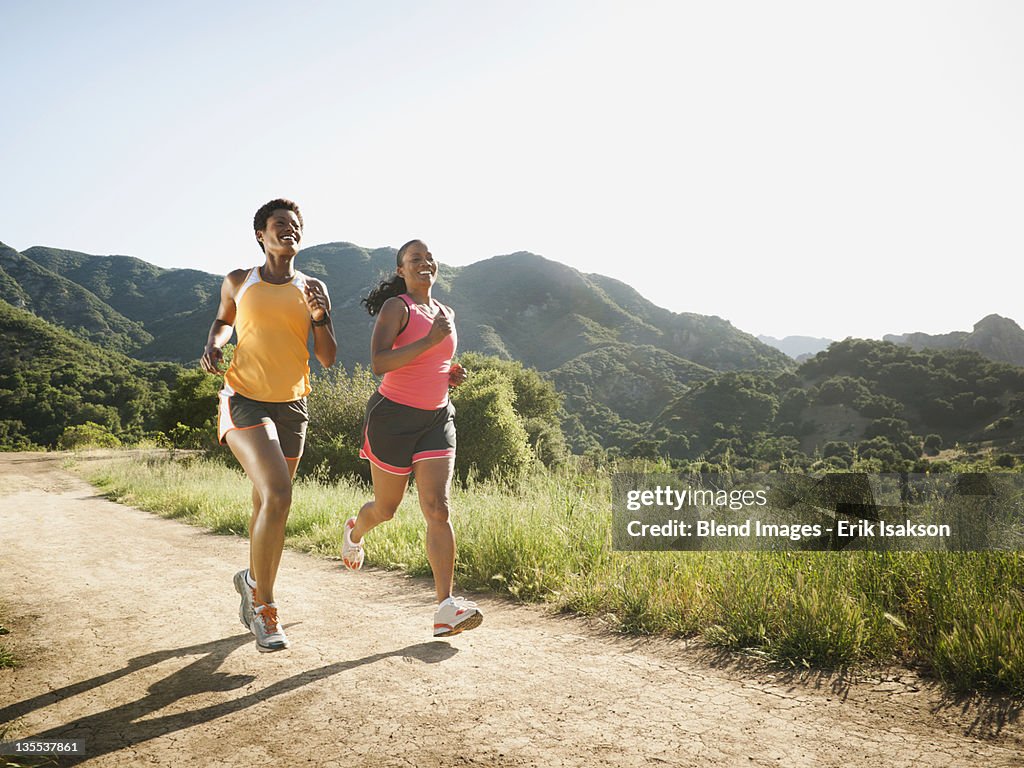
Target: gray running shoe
247 608
269 633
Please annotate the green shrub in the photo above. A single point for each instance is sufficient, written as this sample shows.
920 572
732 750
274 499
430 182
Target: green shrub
337 404
88 435
492 439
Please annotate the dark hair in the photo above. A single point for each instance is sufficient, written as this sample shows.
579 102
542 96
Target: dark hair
387 289
259 221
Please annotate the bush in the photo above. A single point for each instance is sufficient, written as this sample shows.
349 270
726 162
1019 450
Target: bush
193 402
547 441
536 402
837 448
189 437
1004 424
1005 461
492 439
337 403
88 435
896 430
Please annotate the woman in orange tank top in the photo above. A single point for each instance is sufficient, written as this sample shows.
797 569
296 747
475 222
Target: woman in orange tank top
409 425
263 412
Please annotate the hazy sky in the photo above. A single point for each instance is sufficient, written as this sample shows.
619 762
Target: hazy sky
817 168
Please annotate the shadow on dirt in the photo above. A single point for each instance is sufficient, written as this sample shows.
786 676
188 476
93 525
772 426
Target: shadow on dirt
127 725
989 714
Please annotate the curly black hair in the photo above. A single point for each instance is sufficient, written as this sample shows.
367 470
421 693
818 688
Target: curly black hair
259 221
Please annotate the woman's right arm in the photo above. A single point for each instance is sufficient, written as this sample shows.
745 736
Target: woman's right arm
389 323
224 325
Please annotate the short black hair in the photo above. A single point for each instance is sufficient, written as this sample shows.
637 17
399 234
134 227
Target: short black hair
259 221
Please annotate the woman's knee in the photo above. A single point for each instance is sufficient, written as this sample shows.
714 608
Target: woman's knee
435 508
277 498
384 511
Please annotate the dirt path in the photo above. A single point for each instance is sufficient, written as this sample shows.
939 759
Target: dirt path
127 630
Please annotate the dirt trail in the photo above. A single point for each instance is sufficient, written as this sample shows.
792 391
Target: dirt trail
127 630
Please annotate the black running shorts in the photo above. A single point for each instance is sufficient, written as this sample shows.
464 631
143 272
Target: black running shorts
285 422
396 436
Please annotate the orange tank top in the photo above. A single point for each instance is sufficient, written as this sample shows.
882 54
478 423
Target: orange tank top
271 361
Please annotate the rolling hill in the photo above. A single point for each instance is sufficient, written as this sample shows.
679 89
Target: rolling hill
631 373
618 357
51 378
28 285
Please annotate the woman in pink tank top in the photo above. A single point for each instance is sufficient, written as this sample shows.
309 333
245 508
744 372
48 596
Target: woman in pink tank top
409 425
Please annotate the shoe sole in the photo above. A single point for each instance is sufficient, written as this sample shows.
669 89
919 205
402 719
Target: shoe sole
472 622
272 648
240 585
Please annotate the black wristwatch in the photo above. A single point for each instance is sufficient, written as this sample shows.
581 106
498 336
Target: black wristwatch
322 321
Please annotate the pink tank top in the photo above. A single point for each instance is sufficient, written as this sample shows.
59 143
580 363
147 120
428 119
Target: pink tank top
423 383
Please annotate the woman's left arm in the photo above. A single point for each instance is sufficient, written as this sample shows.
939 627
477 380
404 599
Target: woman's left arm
325 345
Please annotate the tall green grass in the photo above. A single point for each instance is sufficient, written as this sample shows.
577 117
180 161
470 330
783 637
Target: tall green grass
957 616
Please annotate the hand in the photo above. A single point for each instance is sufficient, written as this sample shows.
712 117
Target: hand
456 375
316 301
211 359
441 329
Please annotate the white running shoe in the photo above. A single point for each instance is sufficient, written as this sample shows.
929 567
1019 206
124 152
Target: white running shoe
269 633
351 554
247 608
454 615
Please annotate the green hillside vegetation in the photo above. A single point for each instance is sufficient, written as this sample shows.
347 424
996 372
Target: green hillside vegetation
615 389
707 340
866 403
66 303
50 380
174 306
11 292
635 379
546 313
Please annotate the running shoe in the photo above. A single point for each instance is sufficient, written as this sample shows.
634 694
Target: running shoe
247 608
267 629
454 615
351 554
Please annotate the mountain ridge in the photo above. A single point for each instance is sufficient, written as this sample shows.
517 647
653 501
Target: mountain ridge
995 337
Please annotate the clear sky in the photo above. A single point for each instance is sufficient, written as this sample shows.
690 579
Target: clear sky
819 168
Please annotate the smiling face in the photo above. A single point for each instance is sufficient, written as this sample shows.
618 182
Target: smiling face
418 267
282 234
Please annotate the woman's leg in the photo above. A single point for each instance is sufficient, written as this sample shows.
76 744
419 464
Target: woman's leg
257 502
271 477
433 480
388 491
